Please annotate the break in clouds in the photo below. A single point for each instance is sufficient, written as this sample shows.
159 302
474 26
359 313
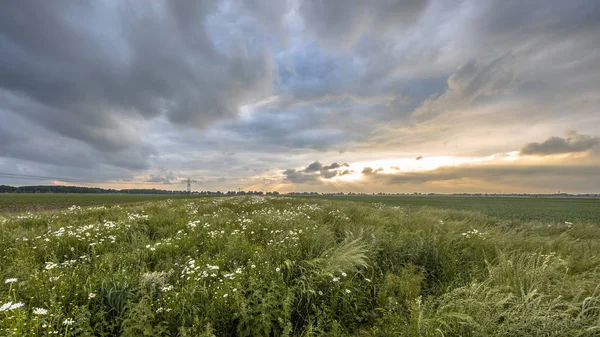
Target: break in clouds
259 94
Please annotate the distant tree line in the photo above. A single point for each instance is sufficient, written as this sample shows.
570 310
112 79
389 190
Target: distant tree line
79 189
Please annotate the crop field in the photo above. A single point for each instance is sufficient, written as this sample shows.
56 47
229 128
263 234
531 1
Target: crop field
20 202
279 266
522 208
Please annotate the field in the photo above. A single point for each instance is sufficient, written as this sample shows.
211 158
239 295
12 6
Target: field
21 202
259 266
529 209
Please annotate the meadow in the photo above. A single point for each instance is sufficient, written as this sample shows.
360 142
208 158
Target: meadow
22 202
279 266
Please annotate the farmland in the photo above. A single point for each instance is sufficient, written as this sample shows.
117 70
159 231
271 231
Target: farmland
259 266
19 202
522 208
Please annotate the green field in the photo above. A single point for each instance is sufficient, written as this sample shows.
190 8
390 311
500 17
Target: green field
255 266
530 209
21 202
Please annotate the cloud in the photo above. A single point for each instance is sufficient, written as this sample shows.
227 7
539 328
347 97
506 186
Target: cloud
557 145
335 166
95 72
314 172
163 177
371 171
342 22
314 167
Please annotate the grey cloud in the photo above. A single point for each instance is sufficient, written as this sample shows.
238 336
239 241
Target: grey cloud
335 166
163 176
344 172
24 140
314 171
371 171
91 71
342 22
491 173
557 145
299 177
314 167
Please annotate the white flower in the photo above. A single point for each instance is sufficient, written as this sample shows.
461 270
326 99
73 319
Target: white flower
40 311
253 266
335 279
278 269
167 288
344 274
10 280
68 321
320 293
91 295
367 279
234 289
224 296
5 306
348 291
16 306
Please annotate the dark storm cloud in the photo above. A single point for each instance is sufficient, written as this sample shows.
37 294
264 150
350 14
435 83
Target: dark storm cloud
90 71
557 145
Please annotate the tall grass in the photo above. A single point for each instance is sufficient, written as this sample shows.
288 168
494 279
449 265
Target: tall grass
251 266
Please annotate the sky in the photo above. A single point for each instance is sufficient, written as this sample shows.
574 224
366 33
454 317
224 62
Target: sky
443 96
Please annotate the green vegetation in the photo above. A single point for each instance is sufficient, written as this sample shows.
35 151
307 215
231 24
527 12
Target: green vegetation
13 202
529 209
255 266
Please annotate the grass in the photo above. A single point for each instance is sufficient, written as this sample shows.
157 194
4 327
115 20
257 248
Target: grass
529 209
20 202
253 266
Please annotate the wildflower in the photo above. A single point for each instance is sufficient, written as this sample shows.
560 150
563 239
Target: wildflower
68 321
335 279
320 293
348 291
91 295
344 274
278 269
16 306
50 265
167 288
225 296
159 310
367 279
10 280
234 289
5 306
40 311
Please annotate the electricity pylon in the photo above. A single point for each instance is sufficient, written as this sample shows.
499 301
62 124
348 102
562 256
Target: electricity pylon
189 182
